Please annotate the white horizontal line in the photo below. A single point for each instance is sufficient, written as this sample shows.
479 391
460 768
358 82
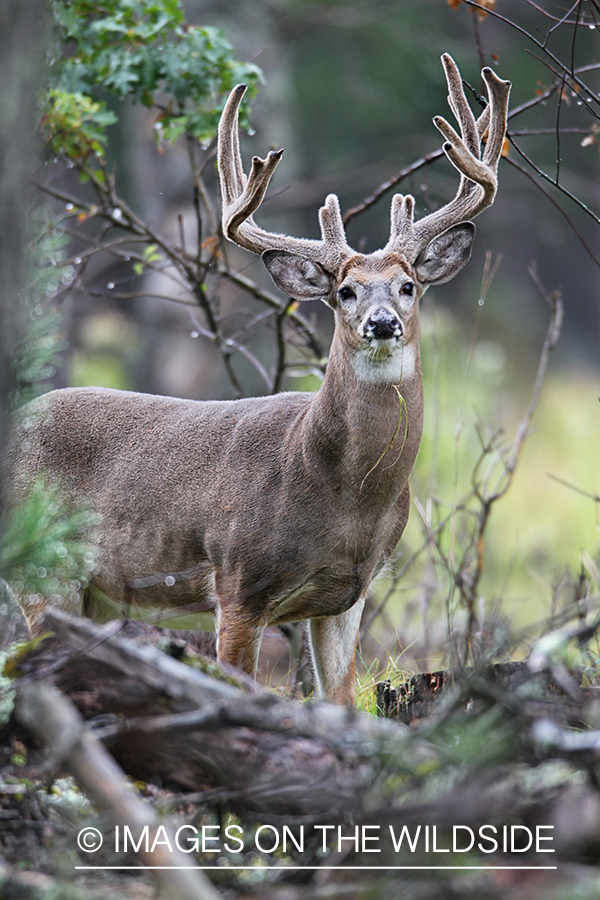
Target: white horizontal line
330 868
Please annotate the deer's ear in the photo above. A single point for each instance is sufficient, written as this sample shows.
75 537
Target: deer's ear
297 276
445 256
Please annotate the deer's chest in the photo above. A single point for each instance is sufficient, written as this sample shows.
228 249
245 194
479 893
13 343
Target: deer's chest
318 574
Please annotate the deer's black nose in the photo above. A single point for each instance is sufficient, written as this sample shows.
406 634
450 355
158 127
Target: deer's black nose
383 324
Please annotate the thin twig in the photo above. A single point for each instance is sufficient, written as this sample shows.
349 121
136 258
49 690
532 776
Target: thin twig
573 487
495 14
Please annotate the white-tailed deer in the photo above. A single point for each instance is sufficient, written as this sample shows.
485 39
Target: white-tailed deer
281 508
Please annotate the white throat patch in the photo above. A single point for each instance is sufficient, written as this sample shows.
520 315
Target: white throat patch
399 366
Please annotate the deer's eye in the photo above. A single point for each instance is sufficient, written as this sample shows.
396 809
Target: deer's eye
346 293
408 288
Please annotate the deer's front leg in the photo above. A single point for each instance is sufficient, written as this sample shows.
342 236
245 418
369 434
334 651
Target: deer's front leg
238 640
333 646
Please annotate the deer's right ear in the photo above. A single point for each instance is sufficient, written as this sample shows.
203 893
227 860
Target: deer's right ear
297 276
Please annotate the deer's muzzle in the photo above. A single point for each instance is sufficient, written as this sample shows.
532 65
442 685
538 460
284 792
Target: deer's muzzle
382 324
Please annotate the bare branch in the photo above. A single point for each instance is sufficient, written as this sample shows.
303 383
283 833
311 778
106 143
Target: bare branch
546 193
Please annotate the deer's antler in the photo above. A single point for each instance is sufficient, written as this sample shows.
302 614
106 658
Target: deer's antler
242 195
478 183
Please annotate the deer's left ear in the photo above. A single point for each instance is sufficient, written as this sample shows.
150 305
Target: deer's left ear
298 276
445 256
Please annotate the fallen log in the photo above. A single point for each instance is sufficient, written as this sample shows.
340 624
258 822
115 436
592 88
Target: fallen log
182 728
265 757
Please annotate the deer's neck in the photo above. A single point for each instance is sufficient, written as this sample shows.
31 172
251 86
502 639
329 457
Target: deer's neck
365 426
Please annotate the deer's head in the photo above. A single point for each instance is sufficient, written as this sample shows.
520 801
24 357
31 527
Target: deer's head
375 297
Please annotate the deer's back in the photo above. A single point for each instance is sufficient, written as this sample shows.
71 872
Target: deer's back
161 472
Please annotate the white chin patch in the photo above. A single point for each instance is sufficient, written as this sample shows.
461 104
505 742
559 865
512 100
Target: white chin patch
376 366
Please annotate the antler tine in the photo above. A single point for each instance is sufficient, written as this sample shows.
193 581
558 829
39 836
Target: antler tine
231 171
459 106
478 183
402 227
498 92
241 197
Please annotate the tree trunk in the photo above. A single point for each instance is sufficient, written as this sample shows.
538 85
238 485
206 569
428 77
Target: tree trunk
21 47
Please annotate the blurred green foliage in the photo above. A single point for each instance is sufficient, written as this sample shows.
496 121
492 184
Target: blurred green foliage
38 355
44 551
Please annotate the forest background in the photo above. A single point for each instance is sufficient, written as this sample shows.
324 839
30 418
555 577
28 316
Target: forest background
349 90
